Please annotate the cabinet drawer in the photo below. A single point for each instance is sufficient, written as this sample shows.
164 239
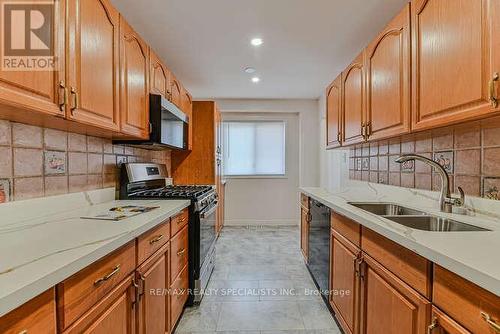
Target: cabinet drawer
178 253
151 241
410 267
444 322
178 296
347 228
464 301
304 201
80 292
179 221
36 316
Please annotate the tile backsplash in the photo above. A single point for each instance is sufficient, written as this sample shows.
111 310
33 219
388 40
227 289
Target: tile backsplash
469 152
37 162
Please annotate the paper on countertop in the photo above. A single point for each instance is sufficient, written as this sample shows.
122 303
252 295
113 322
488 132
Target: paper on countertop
121 212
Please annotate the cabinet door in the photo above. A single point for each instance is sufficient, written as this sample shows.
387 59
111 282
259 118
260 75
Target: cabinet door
113 314
153 308
159 76
40 91
353 104
134 95
304 233
93 63
388 79
443 324
176 92
333 114
389 306
455 57
187 108
345 282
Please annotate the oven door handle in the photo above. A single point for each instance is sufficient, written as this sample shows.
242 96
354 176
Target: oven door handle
204 214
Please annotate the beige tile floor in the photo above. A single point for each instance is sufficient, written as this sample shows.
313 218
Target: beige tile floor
260 285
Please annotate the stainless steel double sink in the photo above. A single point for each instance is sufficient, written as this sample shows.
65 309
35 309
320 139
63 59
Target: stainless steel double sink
416 219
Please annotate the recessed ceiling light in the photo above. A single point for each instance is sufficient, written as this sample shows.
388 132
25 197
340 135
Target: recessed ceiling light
255 79
257 41
250 70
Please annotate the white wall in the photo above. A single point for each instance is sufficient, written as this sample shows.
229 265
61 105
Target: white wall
260 201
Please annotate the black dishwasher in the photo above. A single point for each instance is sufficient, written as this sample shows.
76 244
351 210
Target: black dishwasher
319 246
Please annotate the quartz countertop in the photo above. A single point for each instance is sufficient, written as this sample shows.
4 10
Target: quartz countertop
44 241
472 255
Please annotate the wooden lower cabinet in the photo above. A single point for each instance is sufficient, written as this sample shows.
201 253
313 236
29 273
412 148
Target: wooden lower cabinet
178 296
153 304
36 316
113 314
344 281
443 324
304 233
388 305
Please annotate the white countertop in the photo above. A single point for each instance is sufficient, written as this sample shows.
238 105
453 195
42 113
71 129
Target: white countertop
44 241
472 255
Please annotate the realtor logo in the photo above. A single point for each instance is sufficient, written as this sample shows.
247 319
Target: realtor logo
27 36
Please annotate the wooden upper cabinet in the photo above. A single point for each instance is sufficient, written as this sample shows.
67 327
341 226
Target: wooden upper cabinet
389 306
93 63
159 76
344 277
187 108
456 51
175 91
41 91
353 104
388 79
134 96
334 114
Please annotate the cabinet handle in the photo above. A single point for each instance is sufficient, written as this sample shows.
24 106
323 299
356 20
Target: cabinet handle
63 104
181 252
491 323
493 97
368 130
156 239
115 271
338 137
182 220
363 130
24 331
433 325
76 100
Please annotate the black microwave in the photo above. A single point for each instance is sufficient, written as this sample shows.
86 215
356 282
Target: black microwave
169 126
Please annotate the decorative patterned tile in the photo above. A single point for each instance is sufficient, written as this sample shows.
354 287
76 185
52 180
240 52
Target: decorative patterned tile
55 163
365 163
5 191
120 159
445 159
408 166
491 188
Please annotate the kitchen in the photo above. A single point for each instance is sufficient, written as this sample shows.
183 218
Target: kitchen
267 167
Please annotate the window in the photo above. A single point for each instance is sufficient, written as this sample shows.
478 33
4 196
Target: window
254 148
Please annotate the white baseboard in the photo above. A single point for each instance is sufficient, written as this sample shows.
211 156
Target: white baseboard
254 222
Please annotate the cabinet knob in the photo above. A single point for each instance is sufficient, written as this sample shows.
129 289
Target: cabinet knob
491 323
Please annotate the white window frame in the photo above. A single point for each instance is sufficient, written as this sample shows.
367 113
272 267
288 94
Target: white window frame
285 147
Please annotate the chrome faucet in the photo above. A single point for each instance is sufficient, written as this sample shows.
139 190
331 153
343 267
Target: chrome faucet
446 201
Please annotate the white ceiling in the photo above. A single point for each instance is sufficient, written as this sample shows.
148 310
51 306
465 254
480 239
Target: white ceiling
306 42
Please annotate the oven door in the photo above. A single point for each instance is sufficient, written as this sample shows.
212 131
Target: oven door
207 231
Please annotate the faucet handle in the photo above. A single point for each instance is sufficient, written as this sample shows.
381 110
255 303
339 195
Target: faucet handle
462 196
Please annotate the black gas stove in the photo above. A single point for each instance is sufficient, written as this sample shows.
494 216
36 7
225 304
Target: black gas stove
141 181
